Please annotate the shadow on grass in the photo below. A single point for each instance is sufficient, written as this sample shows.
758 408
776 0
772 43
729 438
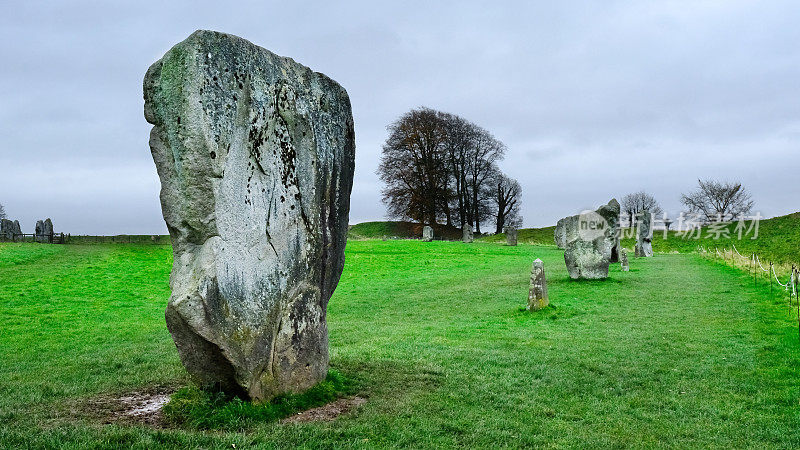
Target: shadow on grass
194 408
549 312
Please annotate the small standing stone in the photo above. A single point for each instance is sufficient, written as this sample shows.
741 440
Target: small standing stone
427 233
537 295
623 258
467 234
511 236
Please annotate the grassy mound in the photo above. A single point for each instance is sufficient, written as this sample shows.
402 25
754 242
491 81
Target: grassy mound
400 230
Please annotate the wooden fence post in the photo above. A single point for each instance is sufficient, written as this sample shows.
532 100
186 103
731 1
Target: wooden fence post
770 278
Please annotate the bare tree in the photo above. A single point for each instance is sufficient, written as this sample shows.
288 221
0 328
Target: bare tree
718 201
438 165
459 143
637 202
487 150
2 212
413 166
506 200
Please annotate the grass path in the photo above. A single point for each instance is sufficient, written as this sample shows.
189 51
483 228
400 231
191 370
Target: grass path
679 352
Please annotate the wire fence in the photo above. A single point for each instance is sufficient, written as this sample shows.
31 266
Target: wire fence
767 275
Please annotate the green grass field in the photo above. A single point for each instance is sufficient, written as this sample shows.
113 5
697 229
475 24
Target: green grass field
679 352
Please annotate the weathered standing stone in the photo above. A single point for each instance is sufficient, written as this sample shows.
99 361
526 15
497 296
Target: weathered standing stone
427 233
511 236
623 258
467 234
537 294
644 234
589 239
255 153
17 230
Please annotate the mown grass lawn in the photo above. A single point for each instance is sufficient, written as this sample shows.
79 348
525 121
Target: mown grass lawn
678 352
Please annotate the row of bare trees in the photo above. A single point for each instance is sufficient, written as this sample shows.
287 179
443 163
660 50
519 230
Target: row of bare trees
712 201
439 167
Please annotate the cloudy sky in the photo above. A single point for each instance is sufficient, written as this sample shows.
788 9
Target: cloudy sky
594 99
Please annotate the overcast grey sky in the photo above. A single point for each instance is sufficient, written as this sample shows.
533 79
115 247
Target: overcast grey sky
594 99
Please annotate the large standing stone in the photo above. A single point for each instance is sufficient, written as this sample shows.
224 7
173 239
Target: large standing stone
511 235
589 239
644 234
467 234
427 233
537 294
623 258
255 153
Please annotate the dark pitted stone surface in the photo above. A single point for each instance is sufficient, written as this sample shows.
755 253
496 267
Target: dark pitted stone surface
255 153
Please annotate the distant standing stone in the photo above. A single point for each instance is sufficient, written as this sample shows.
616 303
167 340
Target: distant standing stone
610 212
427 233
43 230
644 234
6 229
561 232
623 258
537 294
590 239
255 154
17 230
467 233
511 236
